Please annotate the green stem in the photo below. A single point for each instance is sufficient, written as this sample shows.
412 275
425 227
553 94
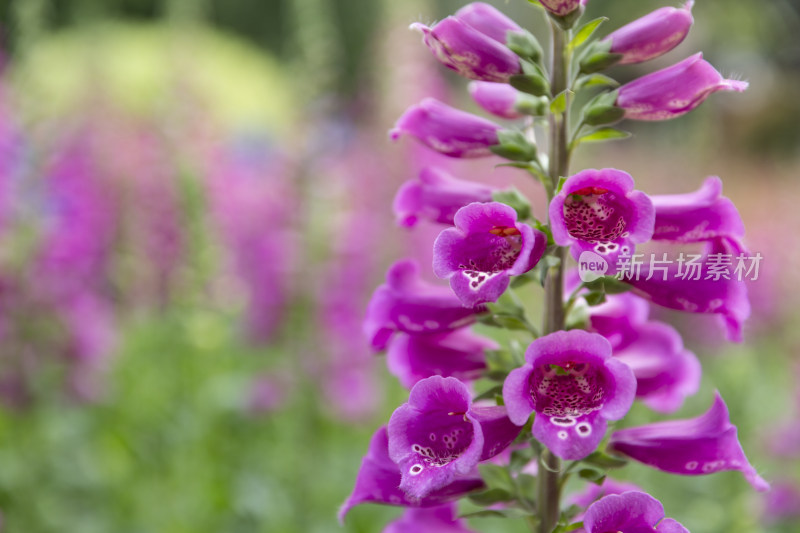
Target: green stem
549 465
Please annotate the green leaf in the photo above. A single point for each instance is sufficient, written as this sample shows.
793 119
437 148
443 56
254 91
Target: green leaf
595 80
595 476
602 135
519 459
608 284
595 298
491 496
527 104
496 476
512 197
599 61
559 104
567 528
510 322
524 44
560 185
534 84
514 146
604 460
585 32
498 513
601 115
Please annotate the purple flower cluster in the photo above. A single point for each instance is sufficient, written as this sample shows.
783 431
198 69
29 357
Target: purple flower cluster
600 350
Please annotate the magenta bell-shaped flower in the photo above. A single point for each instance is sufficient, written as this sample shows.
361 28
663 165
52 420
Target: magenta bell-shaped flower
439 436
436 196
447 130
378 481
442 519
673 91
653 35
693 447
497 98
629 512
485 248
473 43
574 385
460 354
599 211
409 304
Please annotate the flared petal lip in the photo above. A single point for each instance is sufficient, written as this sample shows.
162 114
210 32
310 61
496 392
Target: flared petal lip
517 396
575 345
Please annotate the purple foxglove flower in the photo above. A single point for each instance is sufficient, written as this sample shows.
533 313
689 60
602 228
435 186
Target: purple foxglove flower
436 196
697 216
431 520
692 447
407 303
487 20
460 354
472 43
562 7
666 373
496 98
378 481
447 130
592 492
629 512
673 91
574 385
439 436
676 290
653 35
485 248
598 211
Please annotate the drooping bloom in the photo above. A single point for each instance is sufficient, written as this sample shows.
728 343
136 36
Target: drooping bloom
691 447
598 211
562 7
439 436
574 385
697 216
460 353
666 373
378 481
407 303
436 196
430 520
472 43
447 130
653 35
712 287
496 98
485 248
673 91
629 512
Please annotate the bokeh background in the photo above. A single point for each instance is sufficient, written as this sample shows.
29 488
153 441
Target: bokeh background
195 206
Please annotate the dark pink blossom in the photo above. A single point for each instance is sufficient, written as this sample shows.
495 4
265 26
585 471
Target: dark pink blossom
629 512
692 447
599 211
652 35
673 91
574 386
447 130
378 481
436 196
460 354
485 248
439 436
472 43
497 98
407 303
440 519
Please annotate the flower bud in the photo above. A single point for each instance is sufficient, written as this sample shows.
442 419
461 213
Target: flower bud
673 91
497 98
447 130
562 7
473 43
652 35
